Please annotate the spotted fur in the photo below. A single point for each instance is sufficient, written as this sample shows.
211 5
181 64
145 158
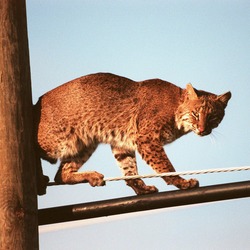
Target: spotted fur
71 120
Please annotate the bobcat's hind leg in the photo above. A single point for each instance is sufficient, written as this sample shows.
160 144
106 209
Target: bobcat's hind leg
68 174
127 163
41 180
68 170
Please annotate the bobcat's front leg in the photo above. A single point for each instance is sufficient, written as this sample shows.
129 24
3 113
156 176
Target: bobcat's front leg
68 174
153 153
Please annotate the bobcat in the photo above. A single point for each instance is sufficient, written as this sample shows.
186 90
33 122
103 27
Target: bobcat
72 119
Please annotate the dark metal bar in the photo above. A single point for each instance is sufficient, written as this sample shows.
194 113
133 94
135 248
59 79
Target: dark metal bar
142 203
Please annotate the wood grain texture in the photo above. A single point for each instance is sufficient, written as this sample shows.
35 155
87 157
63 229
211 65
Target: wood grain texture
18 204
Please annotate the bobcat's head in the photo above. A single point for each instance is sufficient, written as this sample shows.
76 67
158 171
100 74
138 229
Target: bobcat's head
201 111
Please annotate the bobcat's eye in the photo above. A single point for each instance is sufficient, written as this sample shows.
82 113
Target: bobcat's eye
195 115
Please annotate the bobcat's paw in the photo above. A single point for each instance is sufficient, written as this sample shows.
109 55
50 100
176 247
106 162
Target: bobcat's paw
140 187
147 190
95 179
42 183
188 184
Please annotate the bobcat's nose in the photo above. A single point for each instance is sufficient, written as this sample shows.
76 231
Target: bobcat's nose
202 125
201 129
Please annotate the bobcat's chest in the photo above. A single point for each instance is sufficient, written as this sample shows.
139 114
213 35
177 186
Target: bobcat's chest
169 134
167 137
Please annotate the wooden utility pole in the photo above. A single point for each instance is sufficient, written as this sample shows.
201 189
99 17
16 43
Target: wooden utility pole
18 201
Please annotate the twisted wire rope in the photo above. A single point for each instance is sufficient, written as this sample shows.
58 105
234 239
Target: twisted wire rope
155 175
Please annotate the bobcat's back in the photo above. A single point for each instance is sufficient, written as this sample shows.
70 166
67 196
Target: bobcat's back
99 108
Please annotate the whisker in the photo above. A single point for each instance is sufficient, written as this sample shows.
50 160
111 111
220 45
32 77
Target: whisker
212 138
218 134
215 137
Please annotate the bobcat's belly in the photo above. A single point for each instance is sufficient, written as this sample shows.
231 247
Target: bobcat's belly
63 145
119 139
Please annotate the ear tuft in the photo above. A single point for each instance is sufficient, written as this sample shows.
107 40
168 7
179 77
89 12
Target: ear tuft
191 92
224 98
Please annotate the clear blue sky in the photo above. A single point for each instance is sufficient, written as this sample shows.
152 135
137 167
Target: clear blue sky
206 43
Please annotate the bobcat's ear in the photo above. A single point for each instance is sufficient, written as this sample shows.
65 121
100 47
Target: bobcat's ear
224 98
191 92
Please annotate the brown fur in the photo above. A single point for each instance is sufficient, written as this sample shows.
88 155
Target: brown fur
71 120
